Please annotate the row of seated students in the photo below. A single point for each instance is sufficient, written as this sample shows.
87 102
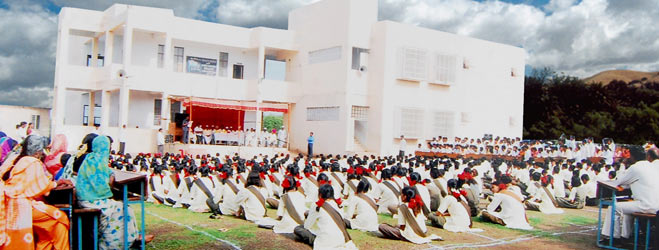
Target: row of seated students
32 168
317 198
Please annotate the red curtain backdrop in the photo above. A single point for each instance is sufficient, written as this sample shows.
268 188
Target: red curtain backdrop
216 118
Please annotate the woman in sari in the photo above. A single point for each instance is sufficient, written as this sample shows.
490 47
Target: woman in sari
6 146
93 189
57 149
24 217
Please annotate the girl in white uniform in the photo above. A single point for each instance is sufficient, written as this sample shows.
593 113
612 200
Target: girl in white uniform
411 221
512 213
362 210
293 216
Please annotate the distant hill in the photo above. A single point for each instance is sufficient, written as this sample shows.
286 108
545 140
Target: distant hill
628 76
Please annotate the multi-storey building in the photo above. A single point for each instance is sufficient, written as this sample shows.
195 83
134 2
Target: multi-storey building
356 82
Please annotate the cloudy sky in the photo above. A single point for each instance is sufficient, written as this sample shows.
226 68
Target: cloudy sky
578 37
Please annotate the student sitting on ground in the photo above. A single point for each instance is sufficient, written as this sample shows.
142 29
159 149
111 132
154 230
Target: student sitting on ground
362 210
325 228
291 210
454 213
411 221
512 214
388 194
577 198
251 201
544 200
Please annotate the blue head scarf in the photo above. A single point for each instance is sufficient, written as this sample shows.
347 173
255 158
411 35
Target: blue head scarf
93 182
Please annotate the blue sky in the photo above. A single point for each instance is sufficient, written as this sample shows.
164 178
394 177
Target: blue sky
576 37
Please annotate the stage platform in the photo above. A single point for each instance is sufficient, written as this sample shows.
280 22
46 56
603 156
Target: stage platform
243 151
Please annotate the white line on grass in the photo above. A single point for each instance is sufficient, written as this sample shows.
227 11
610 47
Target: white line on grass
195 230
503 241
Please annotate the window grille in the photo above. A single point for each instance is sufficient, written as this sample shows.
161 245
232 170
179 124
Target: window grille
413 63
322 113
409 122
359 113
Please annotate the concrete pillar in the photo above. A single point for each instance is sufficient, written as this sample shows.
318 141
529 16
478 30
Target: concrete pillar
261 74
167 55
165 112
59 110
128 45
94 61
62 60
124 95
105 110
109 46
92 98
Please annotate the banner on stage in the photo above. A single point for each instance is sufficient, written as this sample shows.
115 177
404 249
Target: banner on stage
199 65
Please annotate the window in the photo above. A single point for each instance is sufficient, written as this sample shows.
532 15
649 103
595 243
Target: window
443 123
322 113
36 120
325 55
356 57
237 71
99 63
174 108
445 68
161 55
359 113
85 115
224 63
412 64
178 59
157 112
408 122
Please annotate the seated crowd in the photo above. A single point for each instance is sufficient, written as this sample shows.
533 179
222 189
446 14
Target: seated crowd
564 148
318 198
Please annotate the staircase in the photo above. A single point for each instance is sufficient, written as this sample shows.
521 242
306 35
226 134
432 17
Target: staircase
358 148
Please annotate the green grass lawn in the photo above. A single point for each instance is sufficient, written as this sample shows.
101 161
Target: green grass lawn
197 231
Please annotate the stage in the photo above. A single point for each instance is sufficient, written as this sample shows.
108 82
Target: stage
244 151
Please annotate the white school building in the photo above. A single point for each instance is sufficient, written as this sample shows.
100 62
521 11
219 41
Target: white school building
356 82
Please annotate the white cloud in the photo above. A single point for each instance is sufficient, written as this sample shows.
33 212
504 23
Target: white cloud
27 47
35 97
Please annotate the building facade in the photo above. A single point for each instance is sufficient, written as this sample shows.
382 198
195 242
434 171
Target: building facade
356 82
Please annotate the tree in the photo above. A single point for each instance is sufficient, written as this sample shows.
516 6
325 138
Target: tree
556 104
271 122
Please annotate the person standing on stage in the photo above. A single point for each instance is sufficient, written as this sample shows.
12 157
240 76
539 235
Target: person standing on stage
198 131
161 141
310 142
122 140
186 130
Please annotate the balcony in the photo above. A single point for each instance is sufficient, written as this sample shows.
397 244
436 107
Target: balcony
177 83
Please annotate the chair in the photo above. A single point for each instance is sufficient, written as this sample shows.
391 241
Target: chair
649 218
87 212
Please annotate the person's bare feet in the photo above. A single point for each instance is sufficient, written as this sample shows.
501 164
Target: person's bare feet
147 239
